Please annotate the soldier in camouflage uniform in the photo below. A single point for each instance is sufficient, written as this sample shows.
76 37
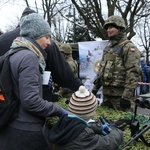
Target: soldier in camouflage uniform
120 71
66 50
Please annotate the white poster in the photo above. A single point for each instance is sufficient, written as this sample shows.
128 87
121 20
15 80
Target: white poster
90 53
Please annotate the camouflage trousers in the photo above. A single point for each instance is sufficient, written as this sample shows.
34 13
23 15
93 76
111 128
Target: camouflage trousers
114 103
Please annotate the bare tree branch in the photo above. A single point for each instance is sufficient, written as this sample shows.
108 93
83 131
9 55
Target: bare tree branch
94 19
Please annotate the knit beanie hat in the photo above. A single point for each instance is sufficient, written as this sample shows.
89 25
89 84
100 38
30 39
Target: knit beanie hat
34 26
83 103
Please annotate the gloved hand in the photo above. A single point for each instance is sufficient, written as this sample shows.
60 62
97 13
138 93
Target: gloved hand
125 104
94 92
105 129
96 127
67 101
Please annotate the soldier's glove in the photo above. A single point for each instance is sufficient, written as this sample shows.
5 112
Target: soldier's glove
125 104
67 101
94 92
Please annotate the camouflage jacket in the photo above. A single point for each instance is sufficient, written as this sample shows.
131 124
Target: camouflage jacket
120 70
73 64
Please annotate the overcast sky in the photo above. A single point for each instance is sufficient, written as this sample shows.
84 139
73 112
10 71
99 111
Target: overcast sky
9 13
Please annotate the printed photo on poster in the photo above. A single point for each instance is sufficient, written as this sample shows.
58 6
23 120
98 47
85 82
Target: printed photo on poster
90 54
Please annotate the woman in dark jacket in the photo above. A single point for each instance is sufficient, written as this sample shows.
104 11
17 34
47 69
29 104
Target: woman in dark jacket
76 132
27 66
55 62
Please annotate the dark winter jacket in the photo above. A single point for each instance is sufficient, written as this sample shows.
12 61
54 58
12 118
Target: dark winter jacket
60 69
27 79
75 134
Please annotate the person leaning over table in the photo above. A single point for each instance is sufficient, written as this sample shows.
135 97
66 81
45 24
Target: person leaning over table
120 70
76 131
28 65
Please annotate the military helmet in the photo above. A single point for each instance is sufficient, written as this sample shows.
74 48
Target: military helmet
116 21
66 48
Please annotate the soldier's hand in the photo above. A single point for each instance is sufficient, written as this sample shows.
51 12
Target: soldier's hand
125 104
94 92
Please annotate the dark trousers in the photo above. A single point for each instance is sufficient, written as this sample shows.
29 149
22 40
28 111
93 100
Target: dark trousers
14 139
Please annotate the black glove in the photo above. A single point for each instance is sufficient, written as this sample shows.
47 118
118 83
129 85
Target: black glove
125 104
96 127
94 92
67 101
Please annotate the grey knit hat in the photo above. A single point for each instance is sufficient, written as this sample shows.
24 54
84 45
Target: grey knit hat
34 26
83 103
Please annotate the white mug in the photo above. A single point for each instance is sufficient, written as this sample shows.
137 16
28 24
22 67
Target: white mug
46 77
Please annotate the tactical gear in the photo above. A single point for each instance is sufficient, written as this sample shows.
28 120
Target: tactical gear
108 70
120 70
66 48
114 75
116 21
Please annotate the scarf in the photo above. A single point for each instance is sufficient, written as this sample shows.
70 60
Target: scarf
22 42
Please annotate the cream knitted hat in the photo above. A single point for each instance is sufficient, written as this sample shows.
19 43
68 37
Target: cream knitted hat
83 103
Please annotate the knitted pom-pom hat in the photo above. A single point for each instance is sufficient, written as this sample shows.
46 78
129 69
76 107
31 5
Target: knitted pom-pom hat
83 103
34 26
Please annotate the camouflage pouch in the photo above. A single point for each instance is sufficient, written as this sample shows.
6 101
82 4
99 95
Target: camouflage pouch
108 72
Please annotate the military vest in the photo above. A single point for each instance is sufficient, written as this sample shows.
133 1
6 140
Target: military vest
112 71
